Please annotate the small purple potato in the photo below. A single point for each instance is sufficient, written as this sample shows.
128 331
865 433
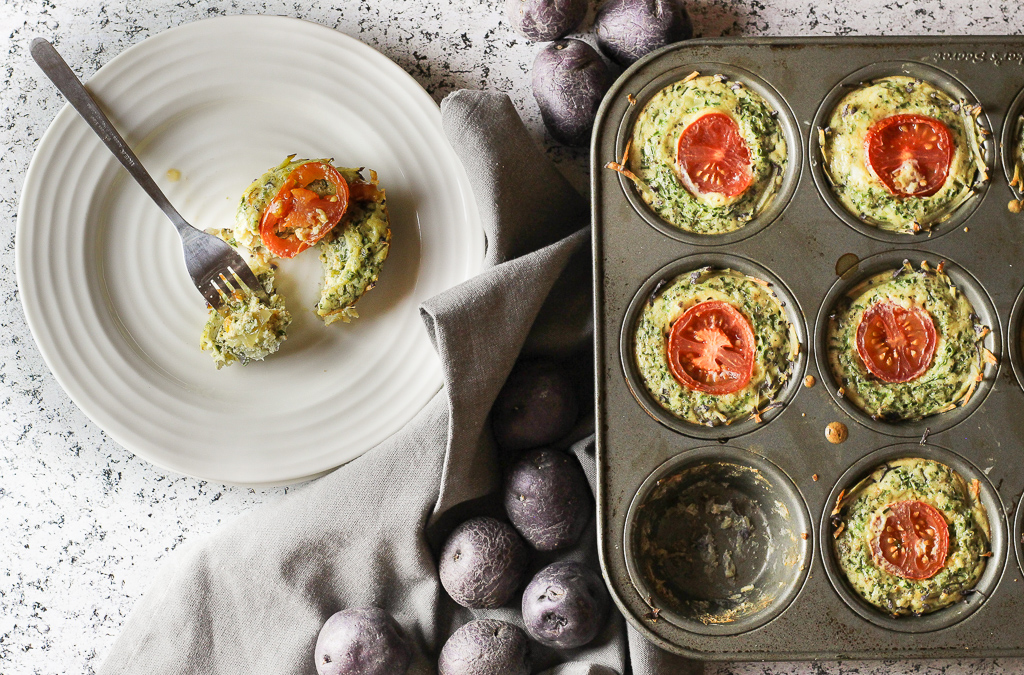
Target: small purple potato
629 29
361 641
483 563
537 406
544 20
565 605
547 499
569 81
486 647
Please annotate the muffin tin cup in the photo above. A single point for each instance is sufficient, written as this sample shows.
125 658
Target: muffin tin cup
966 283
811 255
665 275
790 130
948 616
766 579
1015 339
938 78
1009 145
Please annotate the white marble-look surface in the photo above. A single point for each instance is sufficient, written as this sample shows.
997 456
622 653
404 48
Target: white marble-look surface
84 524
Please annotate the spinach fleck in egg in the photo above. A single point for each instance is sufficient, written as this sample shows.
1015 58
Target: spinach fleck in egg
937 485
776 346
957 365
653 154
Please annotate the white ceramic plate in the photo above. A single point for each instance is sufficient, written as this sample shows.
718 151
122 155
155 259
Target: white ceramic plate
114 312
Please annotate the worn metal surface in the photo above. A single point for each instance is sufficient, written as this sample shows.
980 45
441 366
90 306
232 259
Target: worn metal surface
802 247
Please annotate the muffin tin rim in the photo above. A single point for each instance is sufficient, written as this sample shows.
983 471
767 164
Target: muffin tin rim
958 216
791 176
990 579
710 454
932 424
634 380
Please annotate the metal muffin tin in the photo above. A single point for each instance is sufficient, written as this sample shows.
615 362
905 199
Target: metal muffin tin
801 244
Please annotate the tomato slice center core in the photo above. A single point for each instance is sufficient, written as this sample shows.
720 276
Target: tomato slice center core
909 154
713 158
896 344
910 540
711 348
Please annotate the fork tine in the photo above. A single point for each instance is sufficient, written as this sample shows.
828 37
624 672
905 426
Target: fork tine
246 277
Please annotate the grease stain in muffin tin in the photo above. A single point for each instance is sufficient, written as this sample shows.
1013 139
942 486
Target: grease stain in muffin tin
847 264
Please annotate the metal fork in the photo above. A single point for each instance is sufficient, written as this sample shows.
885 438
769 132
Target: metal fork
214 266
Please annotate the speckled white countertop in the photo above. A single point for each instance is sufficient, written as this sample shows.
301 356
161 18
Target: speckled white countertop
84 524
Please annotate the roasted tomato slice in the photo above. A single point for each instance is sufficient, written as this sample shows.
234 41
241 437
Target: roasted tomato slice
298 217
713 157
896 344
711 348
910 154
911 540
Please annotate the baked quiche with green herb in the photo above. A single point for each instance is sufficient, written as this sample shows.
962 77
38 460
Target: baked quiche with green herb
913 537
707 154
906 343
714 346
902 155
297 205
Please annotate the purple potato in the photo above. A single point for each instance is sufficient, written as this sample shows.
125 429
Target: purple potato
630 29
537 406
569 81
483 563
486 647
547 499
544 20
565 605
361 641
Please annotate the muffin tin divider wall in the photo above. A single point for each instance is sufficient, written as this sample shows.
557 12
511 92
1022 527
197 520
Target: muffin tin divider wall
802 247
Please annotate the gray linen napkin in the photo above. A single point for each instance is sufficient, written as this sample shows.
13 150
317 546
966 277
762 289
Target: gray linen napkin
252 597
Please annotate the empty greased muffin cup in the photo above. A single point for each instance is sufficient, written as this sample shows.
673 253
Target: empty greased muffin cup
919 95
660 196
717 541
965 363
977 537
779 356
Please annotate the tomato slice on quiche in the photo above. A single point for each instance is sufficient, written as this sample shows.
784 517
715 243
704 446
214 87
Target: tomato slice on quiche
713 157
311 201
911 539
909 154
711 348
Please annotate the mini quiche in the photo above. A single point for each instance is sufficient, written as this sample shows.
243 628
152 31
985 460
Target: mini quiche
706 154
901 154
906 344
297 205
912 537
715 346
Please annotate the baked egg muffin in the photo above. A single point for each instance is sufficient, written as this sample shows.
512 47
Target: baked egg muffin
297 205
913 537
714 346
706 154
906 343
901 154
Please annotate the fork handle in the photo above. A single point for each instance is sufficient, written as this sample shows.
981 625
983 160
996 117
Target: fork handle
68 83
